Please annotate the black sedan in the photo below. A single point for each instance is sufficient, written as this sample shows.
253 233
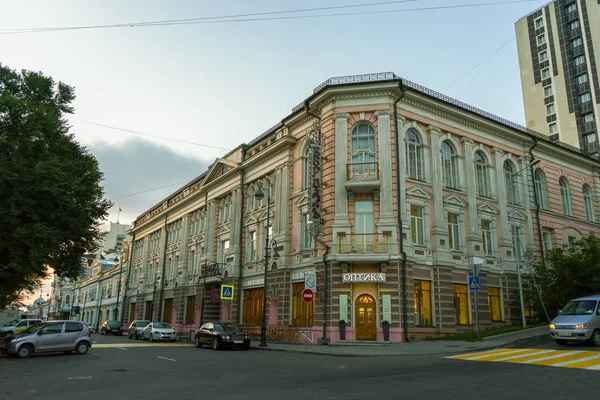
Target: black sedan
220 335
111 326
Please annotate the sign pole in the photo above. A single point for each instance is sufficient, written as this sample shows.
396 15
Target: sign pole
477 312
306 315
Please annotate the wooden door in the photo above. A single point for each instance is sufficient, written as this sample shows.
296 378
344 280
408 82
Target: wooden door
366 318
132 316
167 311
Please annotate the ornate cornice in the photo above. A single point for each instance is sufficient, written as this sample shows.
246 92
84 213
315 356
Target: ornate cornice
433 130
384 113
337 116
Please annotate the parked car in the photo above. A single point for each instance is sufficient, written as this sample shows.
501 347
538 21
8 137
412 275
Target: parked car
111 326
53 336
159 331
578 321
17 326
221 335
136 328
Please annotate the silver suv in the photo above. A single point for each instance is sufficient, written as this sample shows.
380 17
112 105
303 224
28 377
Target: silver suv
52 336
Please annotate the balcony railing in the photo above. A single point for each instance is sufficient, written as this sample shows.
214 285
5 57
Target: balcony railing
363 243
211 270
362 172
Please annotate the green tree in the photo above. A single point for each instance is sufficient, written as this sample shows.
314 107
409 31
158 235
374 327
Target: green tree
51 201
569 272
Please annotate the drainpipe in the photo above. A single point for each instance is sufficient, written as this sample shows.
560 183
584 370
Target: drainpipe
162 276
129 265
400 228
537 202
241 238
325 297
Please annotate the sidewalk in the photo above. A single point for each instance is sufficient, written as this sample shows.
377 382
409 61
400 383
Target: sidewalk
413 348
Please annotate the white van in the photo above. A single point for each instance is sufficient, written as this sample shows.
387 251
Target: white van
578 321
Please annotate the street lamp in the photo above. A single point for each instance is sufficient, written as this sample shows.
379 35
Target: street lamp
515 239
259 195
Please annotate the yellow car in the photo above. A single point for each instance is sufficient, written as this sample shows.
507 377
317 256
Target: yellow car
17 326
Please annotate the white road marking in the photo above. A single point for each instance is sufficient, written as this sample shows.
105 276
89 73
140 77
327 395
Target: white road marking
524 355
94 342
576 361
561 355
165 358
122 348
79 377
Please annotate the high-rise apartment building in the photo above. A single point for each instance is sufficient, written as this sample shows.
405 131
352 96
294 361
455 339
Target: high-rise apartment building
559 46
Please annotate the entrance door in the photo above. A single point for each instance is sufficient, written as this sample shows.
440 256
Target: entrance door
366 320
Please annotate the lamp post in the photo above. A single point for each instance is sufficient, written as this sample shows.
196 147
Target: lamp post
259 195
515 238
48 314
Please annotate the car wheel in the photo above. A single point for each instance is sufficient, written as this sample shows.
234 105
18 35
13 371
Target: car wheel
150 338
596 337
215 344
25 351
247 347
197 342
10 333
129 335
561 342
82 348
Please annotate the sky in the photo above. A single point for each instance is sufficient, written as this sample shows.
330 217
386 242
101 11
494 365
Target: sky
221 84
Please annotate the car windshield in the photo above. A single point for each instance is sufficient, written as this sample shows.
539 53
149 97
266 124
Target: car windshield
162 325
12 323
226 328
142 323
113 323
579 307
34 328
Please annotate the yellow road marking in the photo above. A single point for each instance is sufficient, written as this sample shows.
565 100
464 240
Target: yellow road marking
581 359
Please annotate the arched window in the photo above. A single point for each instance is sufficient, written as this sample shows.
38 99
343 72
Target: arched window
414 156
68 300
449 166
363 144
565 196
541 188
588 200
510 181
482 174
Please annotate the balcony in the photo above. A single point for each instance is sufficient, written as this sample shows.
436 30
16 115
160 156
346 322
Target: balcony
362 177
354 247
211 271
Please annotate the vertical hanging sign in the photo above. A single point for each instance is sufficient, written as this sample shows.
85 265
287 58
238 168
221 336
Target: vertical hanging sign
315 176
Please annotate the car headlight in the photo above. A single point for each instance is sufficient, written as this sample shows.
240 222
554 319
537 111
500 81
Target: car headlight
155 333
246 337
581 326
552 326
226 337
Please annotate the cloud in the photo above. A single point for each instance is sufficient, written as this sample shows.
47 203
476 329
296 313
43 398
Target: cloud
136 166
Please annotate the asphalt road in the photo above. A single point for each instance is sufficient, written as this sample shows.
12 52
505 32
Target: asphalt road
165 371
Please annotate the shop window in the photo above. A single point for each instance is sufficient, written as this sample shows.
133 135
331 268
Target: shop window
461 303
302 313
423 311
253 306
494 304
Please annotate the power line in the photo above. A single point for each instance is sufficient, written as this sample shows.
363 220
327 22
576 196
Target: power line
220 21
149 190
149 23
149 135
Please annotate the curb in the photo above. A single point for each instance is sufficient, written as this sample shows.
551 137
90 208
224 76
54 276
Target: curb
525 342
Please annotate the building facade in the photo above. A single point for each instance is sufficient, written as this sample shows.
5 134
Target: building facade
406 186
559 50
98 296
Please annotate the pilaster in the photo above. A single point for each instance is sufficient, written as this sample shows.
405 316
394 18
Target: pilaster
341 223
526 189
474 230
439 232
505 242
385 166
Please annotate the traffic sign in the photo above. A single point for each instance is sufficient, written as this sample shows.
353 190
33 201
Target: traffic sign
310 281
227 292
308 295
474 283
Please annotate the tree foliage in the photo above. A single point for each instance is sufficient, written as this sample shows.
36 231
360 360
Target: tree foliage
51 201
569 272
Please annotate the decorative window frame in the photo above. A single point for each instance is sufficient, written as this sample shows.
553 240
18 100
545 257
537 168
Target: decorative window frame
493 187
419 196
486 211
460 165
518 180
455 204
425 147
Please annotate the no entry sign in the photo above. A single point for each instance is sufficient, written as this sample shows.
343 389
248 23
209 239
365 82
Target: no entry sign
308 295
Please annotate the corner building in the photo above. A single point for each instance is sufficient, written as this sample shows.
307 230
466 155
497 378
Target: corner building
465 179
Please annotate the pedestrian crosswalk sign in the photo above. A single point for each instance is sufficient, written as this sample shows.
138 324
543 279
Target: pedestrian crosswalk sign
227 292
474 283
